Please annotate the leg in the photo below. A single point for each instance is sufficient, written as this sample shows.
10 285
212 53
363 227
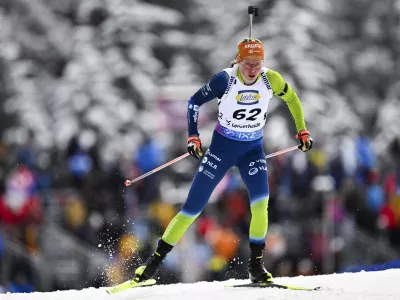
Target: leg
212 169
253 170
213 166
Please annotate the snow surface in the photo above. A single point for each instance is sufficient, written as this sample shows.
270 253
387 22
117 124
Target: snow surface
350 286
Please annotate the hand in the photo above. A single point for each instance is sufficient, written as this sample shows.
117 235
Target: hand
305 139
194 147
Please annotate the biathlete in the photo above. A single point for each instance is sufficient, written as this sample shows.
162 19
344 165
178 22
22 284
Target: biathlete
243 92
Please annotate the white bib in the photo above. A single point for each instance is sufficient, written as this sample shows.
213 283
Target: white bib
243 108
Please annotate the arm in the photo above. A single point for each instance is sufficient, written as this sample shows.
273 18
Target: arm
215 88
284 91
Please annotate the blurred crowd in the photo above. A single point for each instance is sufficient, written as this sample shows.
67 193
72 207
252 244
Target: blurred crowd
351 191
80 112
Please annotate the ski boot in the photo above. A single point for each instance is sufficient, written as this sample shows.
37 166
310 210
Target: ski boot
155 261
257 271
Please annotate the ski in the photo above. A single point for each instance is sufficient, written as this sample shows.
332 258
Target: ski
274 285
128 285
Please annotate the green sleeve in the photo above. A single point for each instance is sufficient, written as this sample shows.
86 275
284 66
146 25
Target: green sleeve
283 90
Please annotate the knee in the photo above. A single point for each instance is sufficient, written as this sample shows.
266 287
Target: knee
192 208
259 206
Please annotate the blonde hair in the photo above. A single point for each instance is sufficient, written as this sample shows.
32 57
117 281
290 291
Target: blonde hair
233 62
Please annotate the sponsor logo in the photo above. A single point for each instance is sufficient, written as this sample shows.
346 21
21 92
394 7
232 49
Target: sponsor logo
194 107
201 168
209 174
245 135
252 46
265 80
212 155
168 231
227 131
248 97
196 112
209 163
243 126
212 165
229 84
253 171
262 167
206 89
260 161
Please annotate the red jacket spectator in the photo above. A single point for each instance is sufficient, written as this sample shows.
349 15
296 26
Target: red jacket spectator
19 204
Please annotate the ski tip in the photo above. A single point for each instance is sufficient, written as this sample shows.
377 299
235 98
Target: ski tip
129 285
151 282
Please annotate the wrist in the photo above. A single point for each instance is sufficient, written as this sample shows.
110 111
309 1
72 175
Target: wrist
193 138
303 131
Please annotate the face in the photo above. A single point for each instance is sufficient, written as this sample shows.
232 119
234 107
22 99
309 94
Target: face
250 68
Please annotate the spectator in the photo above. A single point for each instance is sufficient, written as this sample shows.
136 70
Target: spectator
19 204
375 193
21 278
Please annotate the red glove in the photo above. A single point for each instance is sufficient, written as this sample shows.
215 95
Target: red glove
194 147
305 139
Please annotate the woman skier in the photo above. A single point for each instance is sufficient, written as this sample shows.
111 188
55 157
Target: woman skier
243 92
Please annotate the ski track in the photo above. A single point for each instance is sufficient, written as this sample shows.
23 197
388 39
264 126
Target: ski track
383 285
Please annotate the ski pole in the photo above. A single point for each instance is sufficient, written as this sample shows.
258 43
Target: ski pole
282 151
129 182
